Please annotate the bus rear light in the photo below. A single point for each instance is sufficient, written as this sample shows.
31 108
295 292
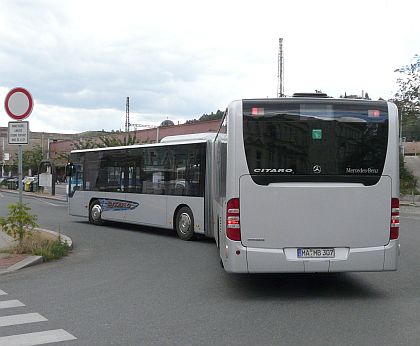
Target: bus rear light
233 223
395 219
256 111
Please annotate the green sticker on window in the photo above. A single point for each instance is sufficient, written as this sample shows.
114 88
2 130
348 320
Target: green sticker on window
316 134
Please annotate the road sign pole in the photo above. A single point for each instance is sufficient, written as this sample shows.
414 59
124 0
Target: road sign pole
20 159
18 105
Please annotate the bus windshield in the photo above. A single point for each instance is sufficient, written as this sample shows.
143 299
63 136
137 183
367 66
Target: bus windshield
315 140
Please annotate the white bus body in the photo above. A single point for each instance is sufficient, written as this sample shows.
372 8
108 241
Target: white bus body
161 185
307 185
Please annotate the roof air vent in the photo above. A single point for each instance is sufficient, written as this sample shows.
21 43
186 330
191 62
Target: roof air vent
318 94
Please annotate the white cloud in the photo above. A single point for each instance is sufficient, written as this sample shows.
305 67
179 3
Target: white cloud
185 58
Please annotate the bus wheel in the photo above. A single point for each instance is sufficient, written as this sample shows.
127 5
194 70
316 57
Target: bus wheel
95 213
184 223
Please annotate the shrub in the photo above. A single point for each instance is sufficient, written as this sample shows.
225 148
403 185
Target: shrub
19 222
49 249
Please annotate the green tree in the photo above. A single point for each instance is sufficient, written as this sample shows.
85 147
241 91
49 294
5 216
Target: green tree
407 98
112 141
212 116
84 143
19 222
31 159
207 117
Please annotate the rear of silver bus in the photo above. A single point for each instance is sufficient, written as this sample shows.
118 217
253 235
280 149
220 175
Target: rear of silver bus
318 187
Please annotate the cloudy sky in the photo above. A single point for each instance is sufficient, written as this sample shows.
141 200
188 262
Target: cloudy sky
180 59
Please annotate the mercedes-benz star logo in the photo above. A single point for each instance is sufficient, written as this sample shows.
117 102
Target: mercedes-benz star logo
317 169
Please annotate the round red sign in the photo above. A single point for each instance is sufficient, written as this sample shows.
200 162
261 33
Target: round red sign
18 103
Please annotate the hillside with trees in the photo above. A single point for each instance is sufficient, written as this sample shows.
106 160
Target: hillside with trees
207 117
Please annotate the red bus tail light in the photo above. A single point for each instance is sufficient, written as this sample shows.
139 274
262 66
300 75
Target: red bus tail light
233 224
395 219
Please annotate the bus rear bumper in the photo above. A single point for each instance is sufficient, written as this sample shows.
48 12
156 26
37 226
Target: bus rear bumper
263 260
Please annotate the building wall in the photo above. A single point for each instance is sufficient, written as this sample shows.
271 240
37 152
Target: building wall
40 139
412 148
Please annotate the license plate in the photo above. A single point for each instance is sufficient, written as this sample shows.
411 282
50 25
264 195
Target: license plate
315 253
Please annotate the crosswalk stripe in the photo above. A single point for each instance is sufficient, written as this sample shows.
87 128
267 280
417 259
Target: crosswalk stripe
2 293
6 304
21 319
39 338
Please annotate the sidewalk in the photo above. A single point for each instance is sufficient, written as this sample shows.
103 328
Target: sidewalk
35 194
12 262
409 200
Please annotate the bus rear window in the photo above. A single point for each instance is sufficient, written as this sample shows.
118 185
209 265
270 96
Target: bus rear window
295 140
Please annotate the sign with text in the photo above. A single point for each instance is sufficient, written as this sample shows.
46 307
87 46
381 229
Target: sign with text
18 132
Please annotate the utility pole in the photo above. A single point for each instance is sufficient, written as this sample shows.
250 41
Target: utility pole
280 75
128 124
127 115
2 160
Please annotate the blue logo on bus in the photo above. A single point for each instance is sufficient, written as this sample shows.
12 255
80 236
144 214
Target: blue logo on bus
117 205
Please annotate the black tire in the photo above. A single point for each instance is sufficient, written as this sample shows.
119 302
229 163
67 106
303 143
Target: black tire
95 213
184 223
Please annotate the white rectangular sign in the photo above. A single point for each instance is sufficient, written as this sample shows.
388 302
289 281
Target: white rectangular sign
18 132
45 179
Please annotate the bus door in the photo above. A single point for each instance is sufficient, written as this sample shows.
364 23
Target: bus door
74 188
145 187
114 205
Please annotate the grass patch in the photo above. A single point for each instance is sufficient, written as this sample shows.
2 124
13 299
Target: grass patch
48 246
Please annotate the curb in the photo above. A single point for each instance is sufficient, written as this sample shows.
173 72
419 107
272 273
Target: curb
64 238
33 260
32 194
27 262
409 204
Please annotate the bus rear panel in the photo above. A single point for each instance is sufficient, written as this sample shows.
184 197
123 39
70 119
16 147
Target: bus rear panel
312 185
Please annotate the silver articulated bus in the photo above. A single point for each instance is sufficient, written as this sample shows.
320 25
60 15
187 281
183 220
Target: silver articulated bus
302 184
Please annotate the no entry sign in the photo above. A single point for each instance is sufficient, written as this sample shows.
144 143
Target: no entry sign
18 103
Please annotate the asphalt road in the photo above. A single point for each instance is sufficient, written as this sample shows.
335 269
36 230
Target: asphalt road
130 285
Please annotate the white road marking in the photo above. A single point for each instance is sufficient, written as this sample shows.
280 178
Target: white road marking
28 339
21 319
38 338
7 304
